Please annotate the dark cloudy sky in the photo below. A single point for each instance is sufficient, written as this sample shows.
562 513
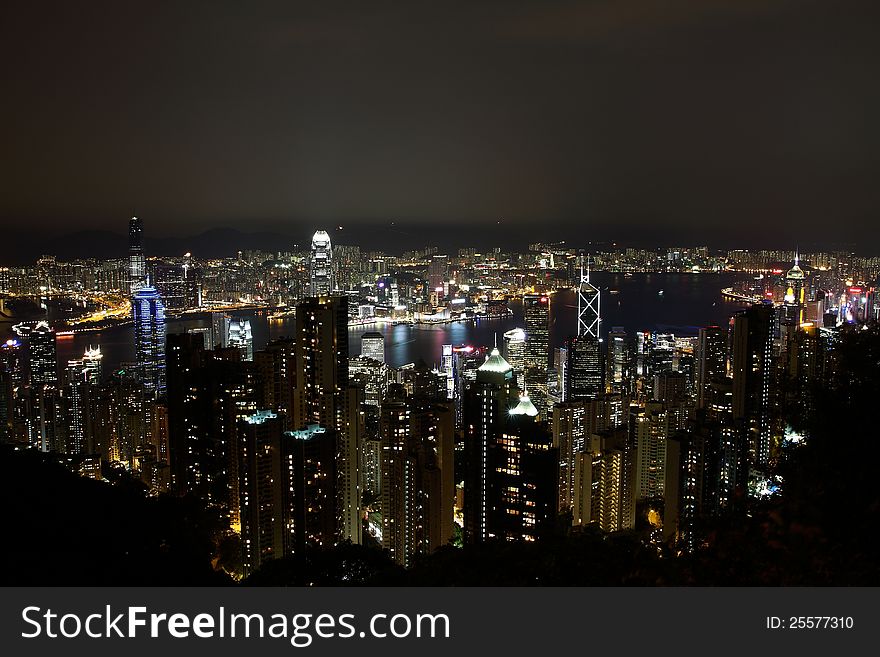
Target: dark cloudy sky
680 120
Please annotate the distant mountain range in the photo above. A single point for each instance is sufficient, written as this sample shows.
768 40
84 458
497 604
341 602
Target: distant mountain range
103 244
25 247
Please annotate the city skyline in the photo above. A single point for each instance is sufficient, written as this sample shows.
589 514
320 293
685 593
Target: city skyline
475 294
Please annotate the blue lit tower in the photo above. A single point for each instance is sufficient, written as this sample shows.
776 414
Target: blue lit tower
321 266
149 331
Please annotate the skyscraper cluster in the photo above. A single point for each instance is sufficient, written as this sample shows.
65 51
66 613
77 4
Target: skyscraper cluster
305 442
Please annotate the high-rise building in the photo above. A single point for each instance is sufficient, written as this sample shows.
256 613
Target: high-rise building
286 488
649 429
15 415
536 314
794 297
42 358
711 360
524 477
137 267
514 352
602 490
239 336
487 401
589 297
512 466
438 274
584 372
753 377
208 393
621 364
373 346
82 378
46 427
321 265
324 396
149 334
417 479
262 493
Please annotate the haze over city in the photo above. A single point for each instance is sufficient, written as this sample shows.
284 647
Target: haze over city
720 122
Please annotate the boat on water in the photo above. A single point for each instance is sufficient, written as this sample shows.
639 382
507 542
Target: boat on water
660 293
613 291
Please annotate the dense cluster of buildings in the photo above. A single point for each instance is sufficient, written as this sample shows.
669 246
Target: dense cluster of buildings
305 442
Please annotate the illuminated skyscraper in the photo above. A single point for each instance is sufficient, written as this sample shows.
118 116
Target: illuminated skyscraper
487 401
149 334
417 481
322 395
793 300
45 427
711 360
137 268
536 313
753 377
285 484
438 273
514 352
621 363
321 265
589 318
80 401
373 346
14 412
584 372
239 336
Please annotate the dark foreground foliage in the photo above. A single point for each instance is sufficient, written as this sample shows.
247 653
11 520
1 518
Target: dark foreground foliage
60 529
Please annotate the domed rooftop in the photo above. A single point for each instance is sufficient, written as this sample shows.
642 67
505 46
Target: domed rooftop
495 363
525 407
795 272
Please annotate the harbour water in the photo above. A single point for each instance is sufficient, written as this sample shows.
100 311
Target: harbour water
669 303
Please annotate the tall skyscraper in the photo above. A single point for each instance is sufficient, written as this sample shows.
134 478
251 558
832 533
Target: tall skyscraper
240 336
417 479
323 396
46 429
149 334
438 273
82 378
584 372
321 265
794 297
15 416
589 297
602 483
536 313
487 401
711 357
514 352
373 346
753 377
286 488
621 365
208 393
137 267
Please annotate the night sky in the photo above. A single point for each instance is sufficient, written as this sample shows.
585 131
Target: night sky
711 121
